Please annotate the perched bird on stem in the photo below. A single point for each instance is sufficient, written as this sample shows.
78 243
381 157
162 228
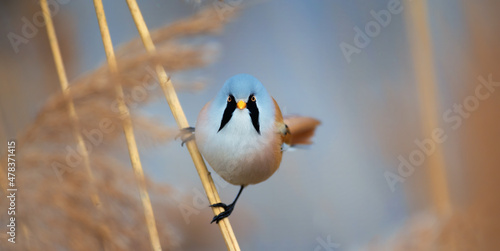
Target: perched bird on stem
242 134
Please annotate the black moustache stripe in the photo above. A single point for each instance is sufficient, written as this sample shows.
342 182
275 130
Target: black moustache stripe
231 107
228 112
254 113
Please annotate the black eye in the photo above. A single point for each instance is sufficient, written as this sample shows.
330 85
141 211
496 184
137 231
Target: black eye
229 99
253 99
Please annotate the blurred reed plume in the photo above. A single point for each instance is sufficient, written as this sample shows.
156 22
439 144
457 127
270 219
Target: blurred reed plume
56 211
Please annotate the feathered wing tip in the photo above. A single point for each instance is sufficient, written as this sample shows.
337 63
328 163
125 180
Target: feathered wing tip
301 129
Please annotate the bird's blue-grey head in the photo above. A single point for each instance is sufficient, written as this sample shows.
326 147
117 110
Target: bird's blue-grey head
243 91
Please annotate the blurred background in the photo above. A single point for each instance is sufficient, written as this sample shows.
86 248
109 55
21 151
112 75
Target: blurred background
406 157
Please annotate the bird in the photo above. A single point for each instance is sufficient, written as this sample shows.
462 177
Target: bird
242 134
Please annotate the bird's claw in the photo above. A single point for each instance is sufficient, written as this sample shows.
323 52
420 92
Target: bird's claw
191 137
223 205
228 209
186 134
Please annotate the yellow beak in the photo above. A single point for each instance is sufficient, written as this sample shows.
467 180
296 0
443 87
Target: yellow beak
241 105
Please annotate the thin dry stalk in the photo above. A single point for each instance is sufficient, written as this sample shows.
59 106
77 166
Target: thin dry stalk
63 80
421 51
178 113
127 127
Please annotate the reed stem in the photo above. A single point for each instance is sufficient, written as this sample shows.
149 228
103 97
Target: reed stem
127 127
63 80
423 63
180 118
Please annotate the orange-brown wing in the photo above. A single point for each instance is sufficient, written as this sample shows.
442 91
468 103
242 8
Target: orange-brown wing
301 129
281 127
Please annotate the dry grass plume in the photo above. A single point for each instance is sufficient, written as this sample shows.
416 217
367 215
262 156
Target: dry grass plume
56 212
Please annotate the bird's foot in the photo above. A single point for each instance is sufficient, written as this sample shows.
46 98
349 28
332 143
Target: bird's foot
228 209
186 134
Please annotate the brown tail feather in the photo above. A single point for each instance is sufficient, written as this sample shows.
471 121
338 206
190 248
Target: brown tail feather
301 129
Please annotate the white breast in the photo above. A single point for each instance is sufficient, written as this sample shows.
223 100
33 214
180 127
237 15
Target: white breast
238 153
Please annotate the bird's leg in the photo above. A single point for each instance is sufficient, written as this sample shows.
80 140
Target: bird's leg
186 134
228 209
